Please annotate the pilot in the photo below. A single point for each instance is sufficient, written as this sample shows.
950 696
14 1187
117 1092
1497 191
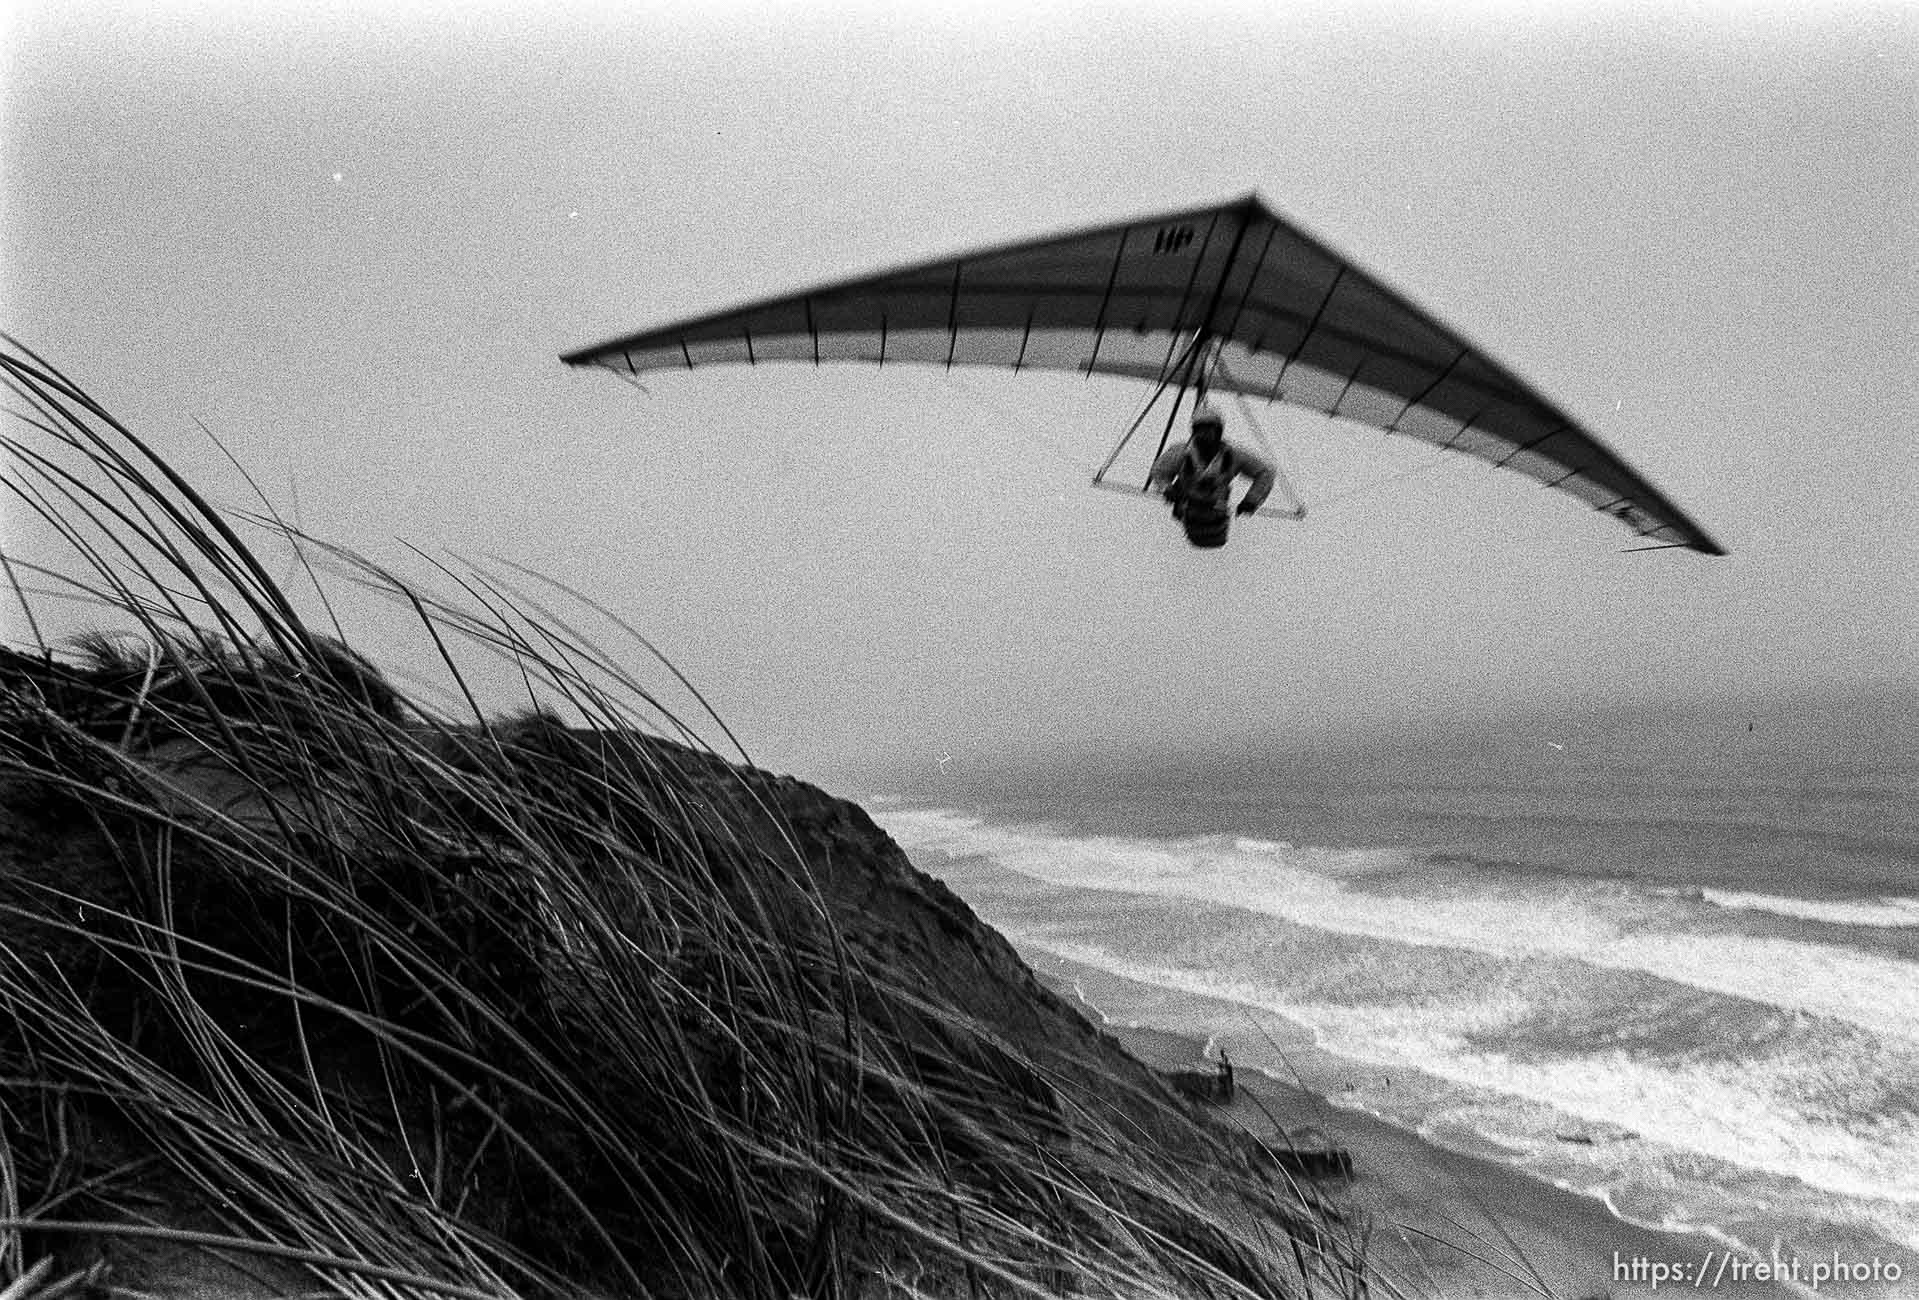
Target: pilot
1197 477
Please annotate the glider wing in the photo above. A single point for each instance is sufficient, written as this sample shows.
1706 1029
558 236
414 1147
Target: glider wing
1286 318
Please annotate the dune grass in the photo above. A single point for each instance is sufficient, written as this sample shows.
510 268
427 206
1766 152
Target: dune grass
359 996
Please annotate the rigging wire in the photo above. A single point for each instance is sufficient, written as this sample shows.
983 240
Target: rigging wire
1180 372
1373 485
1282 480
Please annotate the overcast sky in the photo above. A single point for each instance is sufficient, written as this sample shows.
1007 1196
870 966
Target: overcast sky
353 240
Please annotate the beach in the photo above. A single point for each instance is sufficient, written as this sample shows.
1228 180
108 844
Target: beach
1449 1224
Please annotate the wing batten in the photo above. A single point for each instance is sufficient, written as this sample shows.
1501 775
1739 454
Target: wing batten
1205 330
1452 441
1312 326
1419 398
1252 278
1106 298
1347 387
952 312
1192 277
1525 447
1295 322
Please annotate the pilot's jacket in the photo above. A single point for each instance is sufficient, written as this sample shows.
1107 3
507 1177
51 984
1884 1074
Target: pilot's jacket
1201 489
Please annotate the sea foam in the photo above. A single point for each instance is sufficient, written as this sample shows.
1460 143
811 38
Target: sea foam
1881 913
1386 894
1748 1056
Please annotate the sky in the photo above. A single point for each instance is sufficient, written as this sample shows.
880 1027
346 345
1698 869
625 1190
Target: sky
351 241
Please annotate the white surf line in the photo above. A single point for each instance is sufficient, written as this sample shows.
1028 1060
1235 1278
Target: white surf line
1881 913
1876 993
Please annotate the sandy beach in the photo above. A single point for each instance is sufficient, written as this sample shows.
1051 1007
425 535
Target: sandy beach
1448 1224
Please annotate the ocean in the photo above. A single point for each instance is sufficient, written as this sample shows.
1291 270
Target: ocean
1667 958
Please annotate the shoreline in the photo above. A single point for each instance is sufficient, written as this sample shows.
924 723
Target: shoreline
1448 1223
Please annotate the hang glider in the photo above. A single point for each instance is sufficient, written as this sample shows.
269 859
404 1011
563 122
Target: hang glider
1230 298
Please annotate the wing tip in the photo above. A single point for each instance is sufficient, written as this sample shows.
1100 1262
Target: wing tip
1682 534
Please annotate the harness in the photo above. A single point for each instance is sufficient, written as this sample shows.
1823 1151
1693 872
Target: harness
1211 479
1205 491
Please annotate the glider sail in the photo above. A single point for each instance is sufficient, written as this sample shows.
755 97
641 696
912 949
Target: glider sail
1231 297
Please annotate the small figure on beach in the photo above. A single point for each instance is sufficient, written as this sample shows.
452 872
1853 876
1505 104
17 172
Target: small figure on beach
1203 1086
1197 477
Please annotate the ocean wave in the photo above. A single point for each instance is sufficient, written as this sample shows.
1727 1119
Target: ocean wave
1390 895
1712 1137
1881 913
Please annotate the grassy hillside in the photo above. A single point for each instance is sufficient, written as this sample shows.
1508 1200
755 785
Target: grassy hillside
307 987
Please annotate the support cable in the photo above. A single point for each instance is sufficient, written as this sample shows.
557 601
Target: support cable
1296 507
1189 366
1182 369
